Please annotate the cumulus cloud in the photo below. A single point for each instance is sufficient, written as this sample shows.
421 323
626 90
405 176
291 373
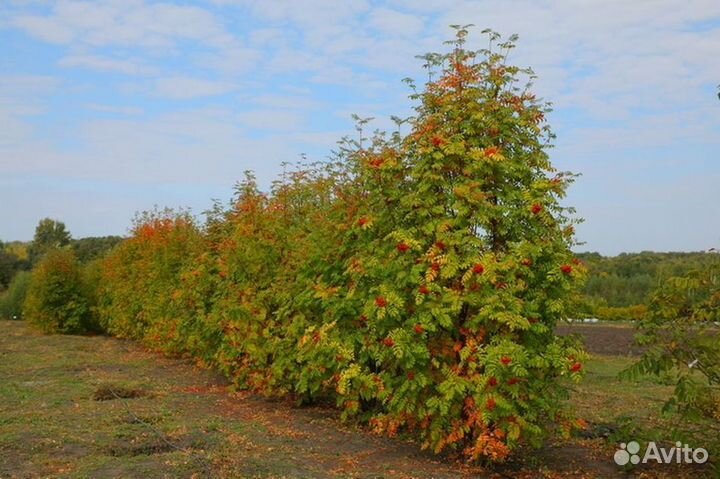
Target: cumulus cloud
207 146
95 62
121 110
21 97
124 22
392 22
181 87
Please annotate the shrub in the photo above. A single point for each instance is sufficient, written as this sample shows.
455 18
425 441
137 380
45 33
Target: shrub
11 301
57 299
275 259
680 332
140 281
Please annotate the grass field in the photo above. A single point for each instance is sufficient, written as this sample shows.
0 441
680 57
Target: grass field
99 407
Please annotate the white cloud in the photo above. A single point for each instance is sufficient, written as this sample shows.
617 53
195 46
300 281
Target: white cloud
392 22
182 88
313 14
12 86
121 110
95 62
298 102
236 60
269 36
21 96
44 28
210 146
271 120
13 132
126 23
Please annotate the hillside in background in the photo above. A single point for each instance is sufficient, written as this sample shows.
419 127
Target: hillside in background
618 286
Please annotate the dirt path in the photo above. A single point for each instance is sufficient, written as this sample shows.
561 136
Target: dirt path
98 407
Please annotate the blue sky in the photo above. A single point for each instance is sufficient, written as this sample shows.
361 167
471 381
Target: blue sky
108 107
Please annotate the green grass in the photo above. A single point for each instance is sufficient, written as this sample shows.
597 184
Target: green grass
52 425
185 422
622 411
602 397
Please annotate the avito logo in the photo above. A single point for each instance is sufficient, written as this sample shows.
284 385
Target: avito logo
680 454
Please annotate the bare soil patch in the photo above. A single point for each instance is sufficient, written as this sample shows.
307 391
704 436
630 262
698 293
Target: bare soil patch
607 340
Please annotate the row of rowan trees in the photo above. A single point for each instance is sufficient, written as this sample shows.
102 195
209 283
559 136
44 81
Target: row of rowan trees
414 280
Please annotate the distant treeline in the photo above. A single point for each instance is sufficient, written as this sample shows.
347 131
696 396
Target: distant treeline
618 286
88 249
17 258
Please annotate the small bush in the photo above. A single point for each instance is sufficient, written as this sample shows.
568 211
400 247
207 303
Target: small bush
142 293
680 334
11 301
57 300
